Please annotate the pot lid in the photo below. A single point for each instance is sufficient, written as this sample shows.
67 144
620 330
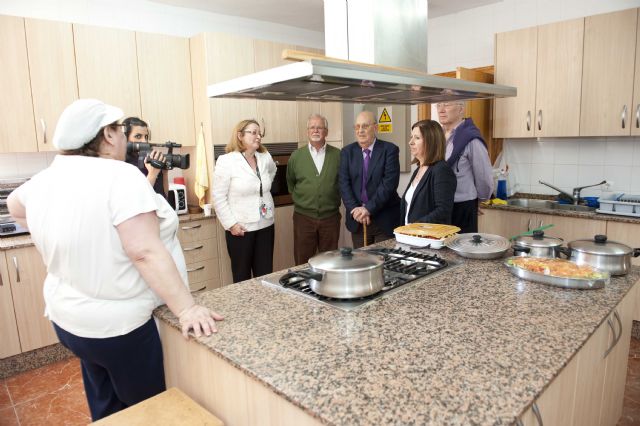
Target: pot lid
600 245
478 243
345 260
538 239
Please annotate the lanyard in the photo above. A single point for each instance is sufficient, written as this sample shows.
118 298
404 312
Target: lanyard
257 171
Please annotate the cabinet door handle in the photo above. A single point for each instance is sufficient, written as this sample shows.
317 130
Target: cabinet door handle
528 121
539 119
15 264
196 269
624 116
638 117
44 130
617 317
529 225
540 223
615 338
536 412
186 228
192 248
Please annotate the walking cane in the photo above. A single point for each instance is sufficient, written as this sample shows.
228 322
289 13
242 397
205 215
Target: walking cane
364 225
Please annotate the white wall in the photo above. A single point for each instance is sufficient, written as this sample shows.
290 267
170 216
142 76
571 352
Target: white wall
467 39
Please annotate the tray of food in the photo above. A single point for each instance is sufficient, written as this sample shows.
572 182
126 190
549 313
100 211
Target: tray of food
557 272
433 235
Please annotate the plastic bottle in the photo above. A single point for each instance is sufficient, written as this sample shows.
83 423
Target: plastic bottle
501 188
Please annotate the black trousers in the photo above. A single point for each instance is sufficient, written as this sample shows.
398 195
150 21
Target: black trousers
120 371
374 235
251 253
465 216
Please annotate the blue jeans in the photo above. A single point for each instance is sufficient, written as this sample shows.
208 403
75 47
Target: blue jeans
118 371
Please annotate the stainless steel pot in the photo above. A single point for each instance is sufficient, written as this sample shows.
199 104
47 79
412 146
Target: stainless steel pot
537 245
344 273
602 254
479 246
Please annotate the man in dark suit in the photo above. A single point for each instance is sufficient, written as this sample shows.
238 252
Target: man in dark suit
369 176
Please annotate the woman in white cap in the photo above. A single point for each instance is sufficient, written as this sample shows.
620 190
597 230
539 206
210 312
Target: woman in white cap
112 256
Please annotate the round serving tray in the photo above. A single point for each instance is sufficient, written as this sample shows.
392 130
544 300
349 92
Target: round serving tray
575 283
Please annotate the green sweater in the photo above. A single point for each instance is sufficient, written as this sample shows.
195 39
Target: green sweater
314 195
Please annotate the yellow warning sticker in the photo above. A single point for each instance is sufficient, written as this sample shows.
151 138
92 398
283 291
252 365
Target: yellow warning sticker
384 120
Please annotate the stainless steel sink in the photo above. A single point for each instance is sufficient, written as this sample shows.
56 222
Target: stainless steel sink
573 208
531 203
546 204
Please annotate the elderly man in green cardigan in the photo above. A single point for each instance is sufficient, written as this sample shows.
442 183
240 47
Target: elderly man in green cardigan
312 178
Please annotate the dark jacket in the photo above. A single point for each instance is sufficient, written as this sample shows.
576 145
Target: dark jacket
382 184
432 200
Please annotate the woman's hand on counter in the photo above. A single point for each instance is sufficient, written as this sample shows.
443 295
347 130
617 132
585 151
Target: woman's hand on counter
199 318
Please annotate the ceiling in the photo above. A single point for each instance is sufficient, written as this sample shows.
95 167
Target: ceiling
307 14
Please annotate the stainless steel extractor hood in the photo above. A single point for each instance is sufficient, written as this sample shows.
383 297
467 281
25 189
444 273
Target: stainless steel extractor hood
389 34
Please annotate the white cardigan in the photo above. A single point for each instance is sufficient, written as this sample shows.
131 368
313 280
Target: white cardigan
236 190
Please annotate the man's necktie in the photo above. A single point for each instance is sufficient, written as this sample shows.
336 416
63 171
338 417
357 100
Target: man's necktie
365 173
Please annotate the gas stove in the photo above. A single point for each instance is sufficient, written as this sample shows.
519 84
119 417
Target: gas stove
400 267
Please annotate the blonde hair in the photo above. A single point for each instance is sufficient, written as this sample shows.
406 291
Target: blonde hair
235 144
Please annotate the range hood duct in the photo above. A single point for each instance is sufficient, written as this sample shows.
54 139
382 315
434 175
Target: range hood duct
389 42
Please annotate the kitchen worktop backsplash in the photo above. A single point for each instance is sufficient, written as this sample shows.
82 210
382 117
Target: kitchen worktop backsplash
20 165
571 162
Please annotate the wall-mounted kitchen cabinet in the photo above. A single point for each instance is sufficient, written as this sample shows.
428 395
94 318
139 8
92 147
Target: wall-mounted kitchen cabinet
608 74
545 64
107 67
52 70
17 130
635 107
280 117
164 68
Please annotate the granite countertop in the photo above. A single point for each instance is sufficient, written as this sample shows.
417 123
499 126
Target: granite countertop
474 345
567 213
19 241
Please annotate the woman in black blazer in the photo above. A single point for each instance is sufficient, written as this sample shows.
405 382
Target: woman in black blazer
429 195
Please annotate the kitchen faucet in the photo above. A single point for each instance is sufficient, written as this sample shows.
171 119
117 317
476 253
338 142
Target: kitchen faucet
575 198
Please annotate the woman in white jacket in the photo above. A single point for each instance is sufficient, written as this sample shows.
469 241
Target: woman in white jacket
243 201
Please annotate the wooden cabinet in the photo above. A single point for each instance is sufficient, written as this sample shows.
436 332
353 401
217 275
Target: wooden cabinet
8 326
545 64
515 59
635 107
590 389
166 98
508 223
52 70
107 67
26 277
283 246
280 117
17 131
626 233
608 74
200 248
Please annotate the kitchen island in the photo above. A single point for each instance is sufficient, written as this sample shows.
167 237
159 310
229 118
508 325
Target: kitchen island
474 345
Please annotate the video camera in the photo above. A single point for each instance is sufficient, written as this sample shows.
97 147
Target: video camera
171 160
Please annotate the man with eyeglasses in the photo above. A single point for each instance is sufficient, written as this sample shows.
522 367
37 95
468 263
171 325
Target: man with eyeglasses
312 179
369 177
468 157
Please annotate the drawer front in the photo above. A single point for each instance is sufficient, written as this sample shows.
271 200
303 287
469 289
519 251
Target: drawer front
202 271
200 250
205 285
189 232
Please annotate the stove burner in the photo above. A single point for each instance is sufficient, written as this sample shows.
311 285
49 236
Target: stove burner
400 267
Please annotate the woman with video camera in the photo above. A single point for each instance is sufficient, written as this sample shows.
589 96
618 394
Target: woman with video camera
112 255
137 131
243 202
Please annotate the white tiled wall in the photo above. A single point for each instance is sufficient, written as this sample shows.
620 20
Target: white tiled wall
567 163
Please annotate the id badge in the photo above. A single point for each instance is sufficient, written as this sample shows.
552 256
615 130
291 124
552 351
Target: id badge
263 210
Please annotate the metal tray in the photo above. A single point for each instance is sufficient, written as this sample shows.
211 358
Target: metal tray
575 283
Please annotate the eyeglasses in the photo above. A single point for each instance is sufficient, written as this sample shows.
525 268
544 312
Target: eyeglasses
122 126
362 126
252 132
314 128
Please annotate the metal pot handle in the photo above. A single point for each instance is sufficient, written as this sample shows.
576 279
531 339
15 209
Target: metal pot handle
517 249
564 250
304 275
636 252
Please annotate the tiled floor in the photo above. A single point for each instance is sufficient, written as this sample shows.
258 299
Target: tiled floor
53 395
